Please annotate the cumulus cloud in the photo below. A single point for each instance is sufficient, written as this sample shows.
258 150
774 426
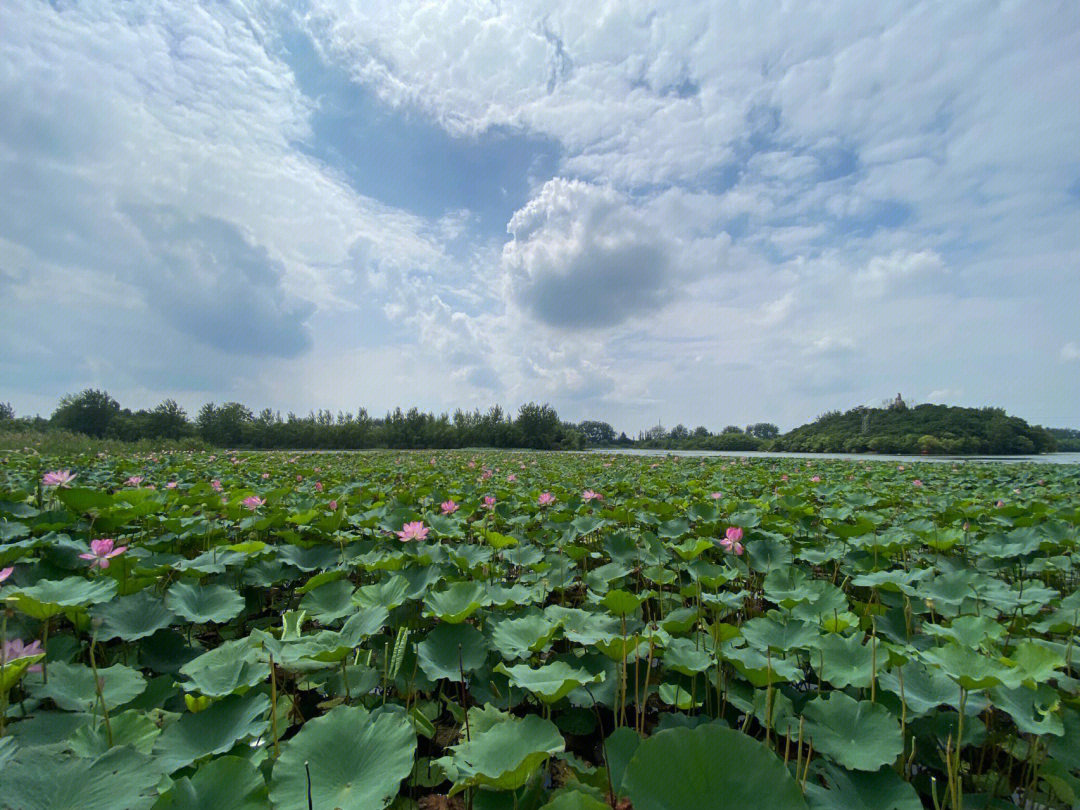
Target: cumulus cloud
584 256
1070 352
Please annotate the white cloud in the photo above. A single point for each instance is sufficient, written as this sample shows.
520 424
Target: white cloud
902 271
760 211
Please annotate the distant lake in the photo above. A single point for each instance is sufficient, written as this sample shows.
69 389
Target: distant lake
1047 458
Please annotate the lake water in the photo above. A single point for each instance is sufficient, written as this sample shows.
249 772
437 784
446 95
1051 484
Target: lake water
1048 458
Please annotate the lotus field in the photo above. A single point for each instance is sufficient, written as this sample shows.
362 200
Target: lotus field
523 630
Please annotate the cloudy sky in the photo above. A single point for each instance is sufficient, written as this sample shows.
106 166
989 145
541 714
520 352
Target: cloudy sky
707 213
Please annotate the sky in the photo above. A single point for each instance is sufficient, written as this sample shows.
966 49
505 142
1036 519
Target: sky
706 213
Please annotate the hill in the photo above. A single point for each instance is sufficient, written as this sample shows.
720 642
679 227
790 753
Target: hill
932 429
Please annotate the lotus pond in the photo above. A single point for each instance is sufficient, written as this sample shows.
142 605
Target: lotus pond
520 630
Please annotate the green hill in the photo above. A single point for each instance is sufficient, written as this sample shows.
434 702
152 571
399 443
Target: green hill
932 429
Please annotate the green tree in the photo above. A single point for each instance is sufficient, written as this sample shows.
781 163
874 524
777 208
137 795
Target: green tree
595 432
763 430
537 426
224 426
90 412
168 421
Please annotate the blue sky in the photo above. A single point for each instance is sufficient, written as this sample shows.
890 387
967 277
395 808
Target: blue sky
707 213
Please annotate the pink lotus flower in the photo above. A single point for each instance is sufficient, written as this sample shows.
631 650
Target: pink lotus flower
216 485
730 540
171 485
253 502
511 478
784 477
333 506
15 648
901 468
318 486
432 462
916 483
472 465
716 495
6 572
101 551
545 499
448 507
299 478
816 479
589 495
413 531
489 502
265 476
133 481
1000 504
58 478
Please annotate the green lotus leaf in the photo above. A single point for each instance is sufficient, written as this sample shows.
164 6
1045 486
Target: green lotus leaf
49 597
329 602
845 660
550 682
582 626
470 557
12 671
221 671
451 649
857 734
82 500
71 686
204 604
225 782
132 728
503 756
767 633
768 553
969 668
357 760
519 638
365 622
677 695
621 603
456 603
759 669
883 789
708 768
1034 710
968 631
685 656
619 749
119 779
1036 663
568 799
132 617
389 593
924 688
212 731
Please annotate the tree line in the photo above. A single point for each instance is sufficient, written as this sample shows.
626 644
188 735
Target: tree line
97 414
893 429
